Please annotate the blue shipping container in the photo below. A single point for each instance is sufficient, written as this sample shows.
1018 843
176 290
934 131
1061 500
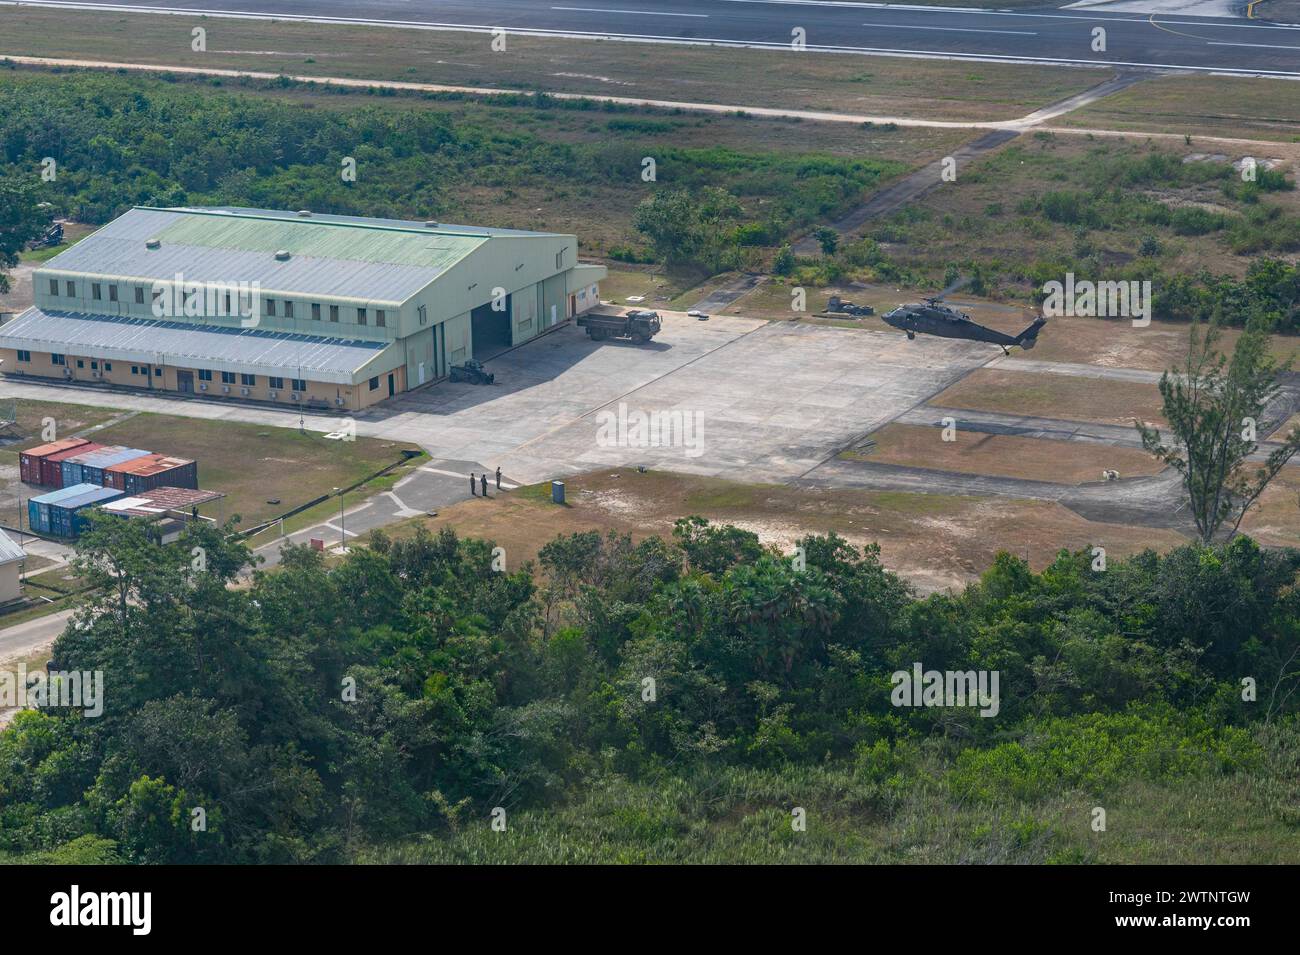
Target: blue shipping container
57 513
38 508
89 468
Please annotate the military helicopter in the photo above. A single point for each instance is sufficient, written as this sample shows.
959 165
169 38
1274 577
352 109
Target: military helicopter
932 316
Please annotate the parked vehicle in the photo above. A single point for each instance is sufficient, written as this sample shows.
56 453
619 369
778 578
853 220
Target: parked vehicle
473 372
839 306
639 325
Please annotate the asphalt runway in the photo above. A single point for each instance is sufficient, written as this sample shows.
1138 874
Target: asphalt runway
1048 35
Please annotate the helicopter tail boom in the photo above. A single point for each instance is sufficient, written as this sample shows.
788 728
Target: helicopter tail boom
1029 337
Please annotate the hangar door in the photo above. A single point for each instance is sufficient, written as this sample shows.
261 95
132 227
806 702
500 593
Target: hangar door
490 330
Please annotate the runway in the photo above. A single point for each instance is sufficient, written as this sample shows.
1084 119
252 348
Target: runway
1048 35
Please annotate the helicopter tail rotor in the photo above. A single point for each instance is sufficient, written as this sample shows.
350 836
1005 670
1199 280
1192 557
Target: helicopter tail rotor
1029 337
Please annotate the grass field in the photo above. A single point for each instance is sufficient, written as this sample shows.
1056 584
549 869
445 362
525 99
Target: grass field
1117 344
935 541
1276 519
739 816
31 419
255 464
250 464
1129 203
971 452
1054 396
1234 107
862 85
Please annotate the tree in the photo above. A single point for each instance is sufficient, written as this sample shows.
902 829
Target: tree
1214 407
22 219
828 239
691 228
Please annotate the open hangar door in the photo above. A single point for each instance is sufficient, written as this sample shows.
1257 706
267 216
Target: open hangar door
490 329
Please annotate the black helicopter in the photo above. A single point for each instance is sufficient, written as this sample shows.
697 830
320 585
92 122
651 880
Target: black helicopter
932 317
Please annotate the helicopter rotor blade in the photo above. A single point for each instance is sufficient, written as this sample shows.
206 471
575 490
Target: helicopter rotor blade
959 284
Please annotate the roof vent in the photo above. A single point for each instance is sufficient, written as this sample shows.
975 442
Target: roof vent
430 224
282 255
304 213
153 243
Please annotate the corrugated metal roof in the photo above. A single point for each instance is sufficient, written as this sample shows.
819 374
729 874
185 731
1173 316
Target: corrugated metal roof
62 444
92 494
103 457
64 495
58 457
442 228
251 350
162 499
149 464
9 551
348 259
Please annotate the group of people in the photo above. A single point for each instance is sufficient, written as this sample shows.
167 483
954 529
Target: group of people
482 479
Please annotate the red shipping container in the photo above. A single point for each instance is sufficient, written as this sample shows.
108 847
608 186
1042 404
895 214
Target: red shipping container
151 471
52 464
29 461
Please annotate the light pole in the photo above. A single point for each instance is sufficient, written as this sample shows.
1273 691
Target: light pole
343 533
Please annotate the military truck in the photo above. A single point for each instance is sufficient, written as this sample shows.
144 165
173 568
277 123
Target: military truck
472 371
839 306
639 325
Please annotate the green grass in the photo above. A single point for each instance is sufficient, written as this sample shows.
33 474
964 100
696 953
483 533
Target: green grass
253 464
895 810
329 510
68 419
61 580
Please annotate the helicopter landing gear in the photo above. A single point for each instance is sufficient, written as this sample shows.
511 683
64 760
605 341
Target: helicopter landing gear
911 335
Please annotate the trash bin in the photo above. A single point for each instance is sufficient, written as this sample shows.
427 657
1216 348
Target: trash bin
557 492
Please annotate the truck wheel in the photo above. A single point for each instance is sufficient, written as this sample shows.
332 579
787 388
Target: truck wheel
638 339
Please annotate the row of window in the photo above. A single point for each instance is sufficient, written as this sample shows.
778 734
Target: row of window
362 314
205 374
228 378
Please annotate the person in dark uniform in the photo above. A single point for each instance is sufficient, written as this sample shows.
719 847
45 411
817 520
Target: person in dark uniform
483 478
471 484
498 478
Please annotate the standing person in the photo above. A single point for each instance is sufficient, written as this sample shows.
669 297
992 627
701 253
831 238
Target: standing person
471 484
483 478
498 477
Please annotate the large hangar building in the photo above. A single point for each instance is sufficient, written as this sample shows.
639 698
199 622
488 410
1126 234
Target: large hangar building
290 307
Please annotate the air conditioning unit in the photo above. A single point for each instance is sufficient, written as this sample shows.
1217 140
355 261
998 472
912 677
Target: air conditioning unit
294 397
339 402
95 374
67 373
243 391
225 389
203 386
273 395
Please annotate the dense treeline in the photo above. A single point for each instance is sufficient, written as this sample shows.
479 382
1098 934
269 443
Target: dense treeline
1112 212
527 690
121 141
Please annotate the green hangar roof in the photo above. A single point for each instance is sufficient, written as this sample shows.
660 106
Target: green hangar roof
298 254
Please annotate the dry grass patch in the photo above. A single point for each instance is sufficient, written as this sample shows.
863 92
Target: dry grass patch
1046 395
935 541
1234 107
1001 455
1276 519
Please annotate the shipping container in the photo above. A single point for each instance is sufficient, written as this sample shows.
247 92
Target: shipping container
29 461
52 464
151 471
87 467
59 513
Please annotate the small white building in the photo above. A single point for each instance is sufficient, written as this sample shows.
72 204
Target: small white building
11 566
